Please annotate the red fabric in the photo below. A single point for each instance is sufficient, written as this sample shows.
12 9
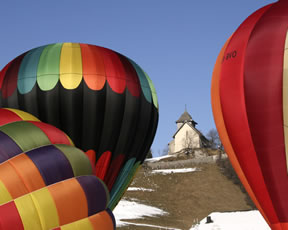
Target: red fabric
10 218
113 171
115 72
10 80
234 111
133 83
56 136
92 158
102 165
7 116
3 73
263 96
93 66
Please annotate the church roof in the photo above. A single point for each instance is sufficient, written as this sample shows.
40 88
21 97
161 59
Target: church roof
184 117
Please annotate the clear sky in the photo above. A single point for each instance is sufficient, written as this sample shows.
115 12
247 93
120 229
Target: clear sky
175 42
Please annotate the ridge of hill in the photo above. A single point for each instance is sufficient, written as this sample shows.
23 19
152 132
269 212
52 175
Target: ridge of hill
186 197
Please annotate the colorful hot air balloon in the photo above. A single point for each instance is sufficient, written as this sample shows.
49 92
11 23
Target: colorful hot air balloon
58 204
249 101
104 101
36 162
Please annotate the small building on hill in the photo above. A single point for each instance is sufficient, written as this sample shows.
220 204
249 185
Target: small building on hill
187 136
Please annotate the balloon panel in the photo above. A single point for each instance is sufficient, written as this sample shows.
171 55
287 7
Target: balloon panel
58 204
101 220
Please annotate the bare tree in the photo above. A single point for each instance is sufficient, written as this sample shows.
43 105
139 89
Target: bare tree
214 139
165 151
187 144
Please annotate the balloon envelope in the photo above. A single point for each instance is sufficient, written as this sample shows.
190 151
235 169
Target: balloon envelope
249 100
55 205
104 101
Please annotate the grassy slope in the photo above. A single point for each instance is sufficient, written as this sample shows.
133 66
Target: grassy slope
186 197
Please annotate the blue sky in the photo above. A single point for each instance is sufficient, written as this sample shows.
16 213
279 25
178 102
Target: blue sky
175 42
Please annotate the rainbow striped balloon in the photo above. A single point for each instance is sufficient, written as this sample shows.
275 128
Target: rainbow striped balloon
40 167
58 204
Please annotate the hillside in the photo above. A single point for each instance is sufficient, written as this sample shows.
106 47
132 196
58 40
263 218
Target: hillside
186 197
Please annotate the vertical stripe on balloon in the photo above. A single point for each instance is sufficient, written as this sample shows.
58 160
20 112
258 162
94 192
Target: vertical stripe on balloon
143 81
113 171
94 188
48 73
10 218
153 91
51 163
46 208
102 164
3 73
70 200
8 147
28 212
10 81
5 195
71 65
12 180
131 77
27 172
285 97
75 156
28 70
93 67
115 72
103 220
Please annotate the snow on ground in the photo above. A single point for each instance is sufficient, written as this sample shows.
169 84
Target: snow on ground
250 220
140 189
155 159
169 171
131 210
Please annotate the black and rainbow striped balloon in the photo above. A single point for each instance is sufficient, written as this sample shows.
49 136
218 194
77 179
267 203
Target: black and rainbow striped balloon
103 100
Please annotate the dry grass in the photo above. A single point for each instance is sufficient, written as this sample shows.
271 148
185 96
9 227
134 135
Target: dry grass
186 197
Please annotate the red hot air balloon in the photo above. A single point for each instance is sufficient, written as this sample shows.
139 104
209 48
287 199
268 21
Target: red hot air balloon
104 101
250 106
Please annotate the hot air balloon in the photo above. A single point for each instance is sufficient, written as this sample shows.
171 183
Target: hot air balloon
57 204
103 100
249 100
36 162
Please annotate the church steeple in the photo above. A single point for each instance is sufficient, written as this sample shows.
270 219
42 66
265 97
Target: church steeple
184 118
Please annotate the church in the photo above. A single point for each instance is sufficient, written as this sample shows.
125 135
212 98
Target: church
187 136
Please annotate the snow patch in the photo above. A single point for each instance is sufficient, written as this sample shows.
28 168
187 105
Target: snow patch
169 171
130 210
140 189
250 220
155 159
